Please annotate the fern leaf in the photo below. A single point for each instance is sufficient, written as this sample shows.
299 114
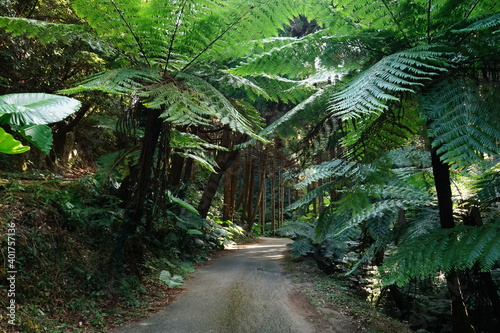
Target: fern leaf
47 32
462 124
370 91
488 186
116 81
443 250
330 169
482 23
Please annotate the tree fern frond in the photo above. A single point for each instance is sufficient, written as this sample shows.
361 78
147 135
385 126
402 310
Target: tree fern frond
116 81
380 226
461 247
301 247
279 88
374 134
311 195
293 229
488 186
330 169
285 57
189 141
482 23
462 121
311 101
47 32
206 161
222 108
370 91
368 12
422 222
253 90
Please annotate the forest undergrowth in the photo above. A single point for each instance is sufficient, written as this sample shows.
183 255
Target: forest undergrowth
65 233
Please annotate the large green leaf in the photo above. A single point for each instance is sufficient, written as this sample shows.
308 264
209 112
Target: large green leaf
9 145
39 135
35 108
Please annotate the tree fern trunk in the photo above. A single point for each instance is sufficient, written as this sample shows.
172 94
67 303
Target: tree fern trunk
224 160
441 171
141 181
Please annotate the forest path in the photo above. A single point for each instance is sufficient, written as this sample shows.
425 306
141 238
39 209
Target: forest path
243 291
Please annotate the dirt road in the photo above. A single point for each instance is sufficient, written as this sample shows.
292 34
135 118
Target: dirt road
243 291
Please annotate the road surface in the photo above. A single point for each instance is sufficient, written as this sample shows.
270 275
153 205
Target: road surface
243 291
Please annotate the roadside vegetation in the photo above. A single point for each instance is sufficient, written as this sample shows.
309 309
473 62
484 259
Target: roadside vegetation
138 137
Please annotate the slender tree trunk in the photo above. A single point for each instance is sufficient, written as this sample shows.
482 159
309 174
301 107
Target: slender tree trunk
281 199
264 199
247 211
141 181
260 196
224 160
242 199
273 198
441 171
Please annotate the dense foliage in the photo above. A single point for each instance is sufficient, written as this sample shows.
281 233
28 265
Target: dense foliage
366 130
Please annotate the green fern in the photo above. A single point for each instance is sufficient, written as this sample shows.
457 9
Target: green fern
47 32
116 81
482 23
330 169
370 91
463 122
462 247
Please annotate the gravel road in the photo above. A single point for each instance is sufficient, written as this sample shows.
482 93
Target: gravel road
242 291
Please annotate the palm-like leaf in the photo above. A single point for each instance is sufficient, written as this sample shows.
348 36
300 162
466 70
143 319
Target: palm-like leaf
29 114
35 108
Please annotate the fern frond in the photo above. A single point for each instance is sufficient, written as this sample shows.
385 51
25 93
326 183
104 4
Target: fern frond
488 186
424 220
219 105
443 250
293 229
116 81
370 91
311 195
47 32
462 119
309 102
330 169
293 58
482 23
374 134
252 89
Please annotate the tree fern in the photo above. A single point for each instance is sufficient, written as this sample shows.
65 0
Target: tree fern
488 186
370 91
116 81
443 250
463 122
375 134
335 168
482 23
47 32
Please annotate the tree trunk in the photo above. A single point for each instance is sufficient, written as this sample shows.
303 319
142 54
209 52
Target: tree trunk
441 171
141 181
247 208
273 199
224 161
260 195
